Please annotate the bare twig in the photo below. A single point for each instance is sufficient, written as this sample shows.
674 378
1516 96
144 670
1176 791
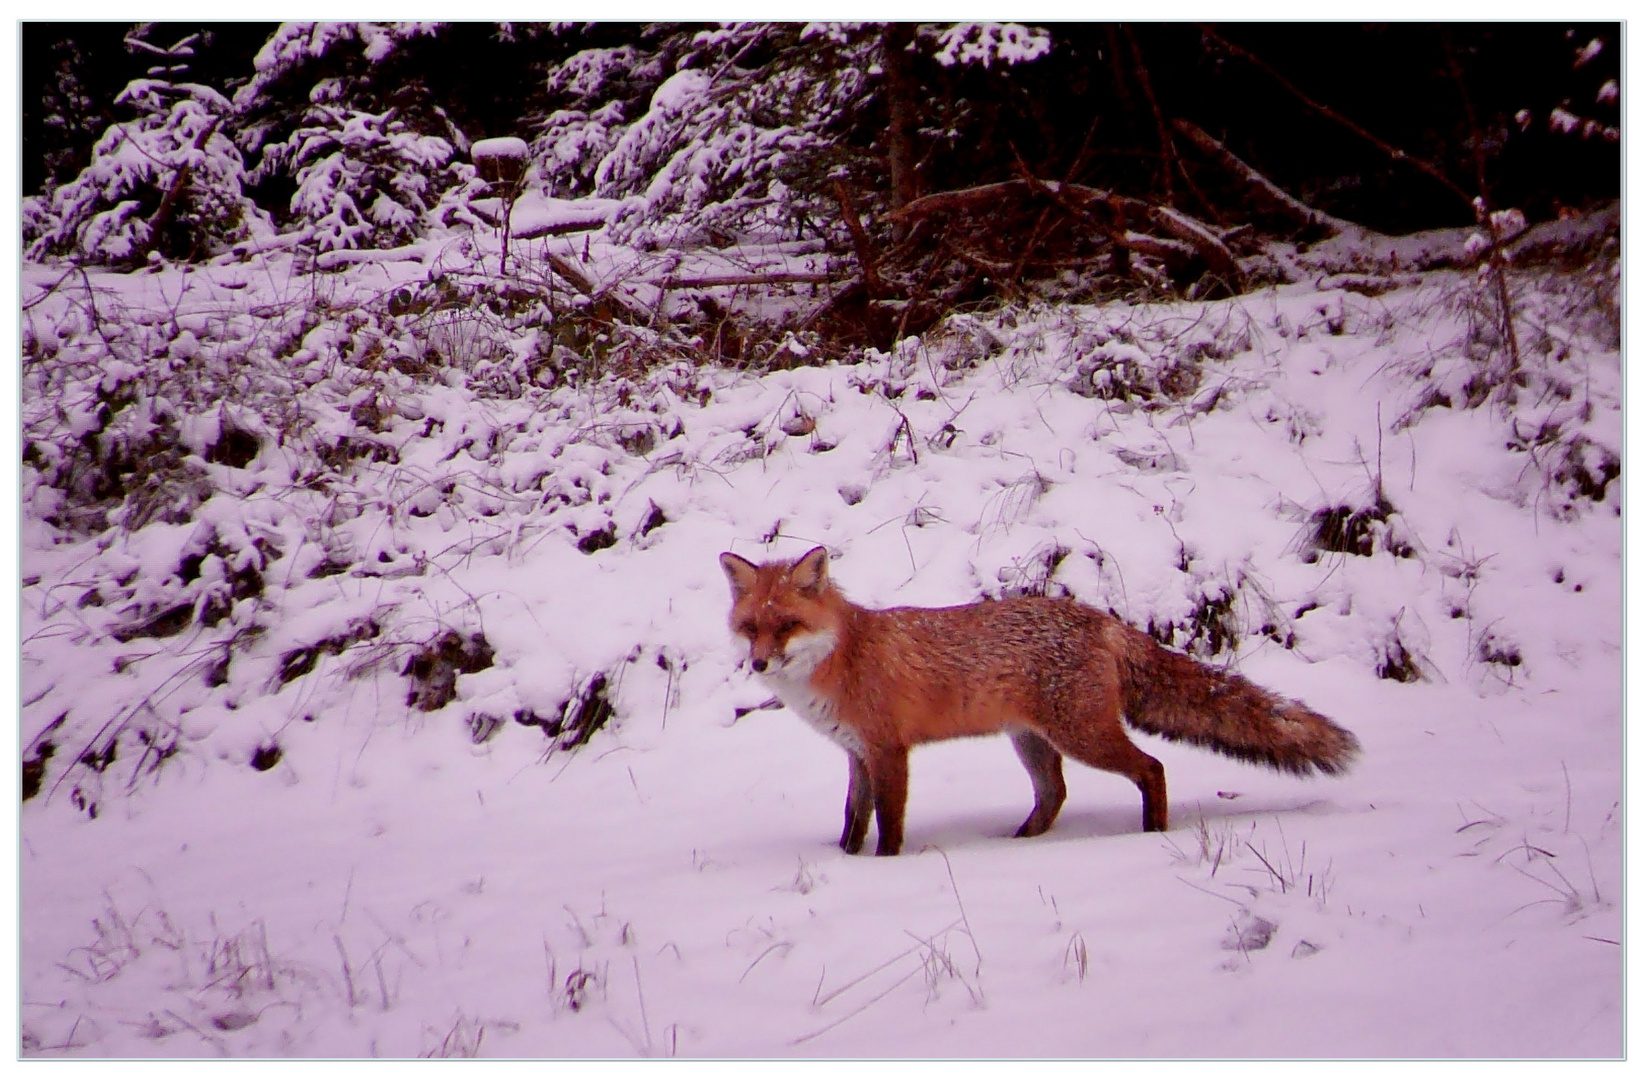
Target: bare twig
786 946
819 1002
861 1008
49 289
1498 268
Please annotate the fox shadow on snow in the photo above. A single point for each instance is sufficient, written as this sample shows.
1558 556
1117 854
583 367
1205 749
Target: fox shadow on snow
988 826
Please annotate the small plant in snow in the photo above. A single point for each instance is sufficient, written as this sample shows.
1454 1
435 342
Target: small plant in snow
433 668
1350 530
1214 845
461 1040
1394 661
1213 623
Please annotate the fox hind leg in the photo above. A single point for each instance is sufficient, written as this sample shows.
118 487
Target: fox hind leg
1088 730
1045 767
859 803
1119 755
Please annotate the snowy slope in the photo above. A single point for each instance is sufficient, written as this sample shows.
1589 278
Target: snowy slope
247 841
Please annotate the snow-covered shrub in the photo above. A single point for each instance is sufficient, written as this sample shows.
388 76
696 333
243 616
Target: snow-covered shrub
599 87
370 153
434 667
707 148
363 179
169 181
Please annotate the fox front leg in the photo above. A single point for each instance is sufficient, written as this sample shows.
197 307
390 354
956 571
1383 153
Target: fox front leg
859 802
889 776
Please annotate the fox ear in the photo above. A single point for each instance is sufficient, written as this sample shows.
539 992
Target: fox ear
739 571
811 570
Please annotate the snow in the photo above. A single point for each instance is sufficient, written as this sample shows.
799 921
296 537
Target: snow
505 146
535 214
402 882
983 43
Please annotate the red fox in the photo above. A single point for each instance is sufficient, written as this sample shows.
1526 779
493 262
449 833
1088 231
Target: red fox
1055 675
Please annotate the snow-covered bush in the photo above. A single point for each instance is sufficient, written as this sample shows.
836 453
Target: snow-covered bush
370 154
169 181
600 87
707 148
363 179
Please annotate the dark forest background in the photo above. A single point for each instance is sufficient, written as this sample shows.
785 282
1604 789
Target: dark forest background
1449 94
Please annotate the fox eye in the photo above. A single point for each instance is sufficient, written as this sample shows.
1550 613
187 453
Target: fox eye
787 627
747 629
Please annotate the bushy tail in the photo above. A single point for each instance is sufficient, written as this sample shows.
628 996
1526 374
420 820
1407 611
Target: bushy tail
1177 697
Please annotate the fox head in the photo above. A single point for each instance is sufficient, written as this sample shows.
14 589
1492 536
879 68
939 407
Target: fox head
787 613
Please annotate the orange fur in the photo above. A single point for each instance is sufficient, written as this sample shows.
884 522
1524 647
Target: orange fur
1057 676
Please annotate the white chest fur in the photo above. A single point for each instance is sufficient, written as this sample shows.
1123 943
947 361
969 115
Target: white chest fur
791 679
816 709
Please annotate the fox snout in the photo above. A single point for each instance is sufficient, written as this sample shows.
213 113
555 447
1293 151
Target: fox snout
767 655
794 655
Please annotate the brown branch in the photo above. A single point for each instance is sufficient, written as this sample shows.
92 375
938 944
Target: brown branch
1105 211
1134 210
1174 253
1201 237
1258 186
557 228
1193 237
779 277
992 267
1109 224
585 285
962 199
1168 152
860 241
851 291
1427 168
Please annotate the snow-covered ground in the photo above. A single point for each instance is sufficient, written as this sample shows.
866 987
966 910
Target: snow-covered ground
248 840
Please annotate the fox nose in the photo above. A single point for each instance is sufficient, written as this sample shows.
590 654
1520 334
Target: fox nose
758 664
